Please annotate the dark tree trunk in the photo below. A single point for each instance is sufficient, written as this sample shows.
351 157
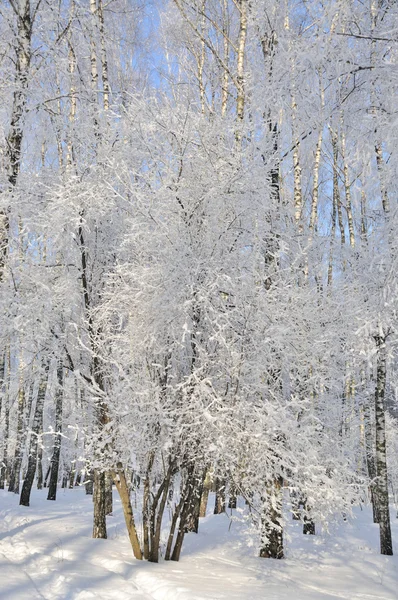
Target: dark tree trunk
232 500
309 525
187 506
296 505
146 510
158 506
174 520
47 475
52 487
180 537
40 463
33 446
381 487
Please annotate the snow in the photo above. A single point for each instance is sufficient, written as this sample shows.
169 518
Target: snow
46 551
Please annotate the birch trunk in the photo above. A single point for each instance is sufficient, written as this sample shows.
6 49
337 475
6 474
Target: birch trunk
72 90
297 186
34 439
3 409
40 457
317 162
347 188
23 57
200 60
204 500
88 482
272 532
374 7
16 468
207 484
108 493
370 451
4 470
104 59
381 487
119 477
93 55
15 134
336 199
99 499
225 79
240 73
146 510
364 221
2 380
219 506
192 519
52 487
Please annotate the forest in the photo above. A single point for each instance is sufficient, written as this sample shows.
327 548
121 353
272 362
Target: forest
198 264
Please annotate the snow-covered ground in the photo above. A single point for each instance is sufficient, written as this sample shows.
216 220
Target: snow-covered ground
46 552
